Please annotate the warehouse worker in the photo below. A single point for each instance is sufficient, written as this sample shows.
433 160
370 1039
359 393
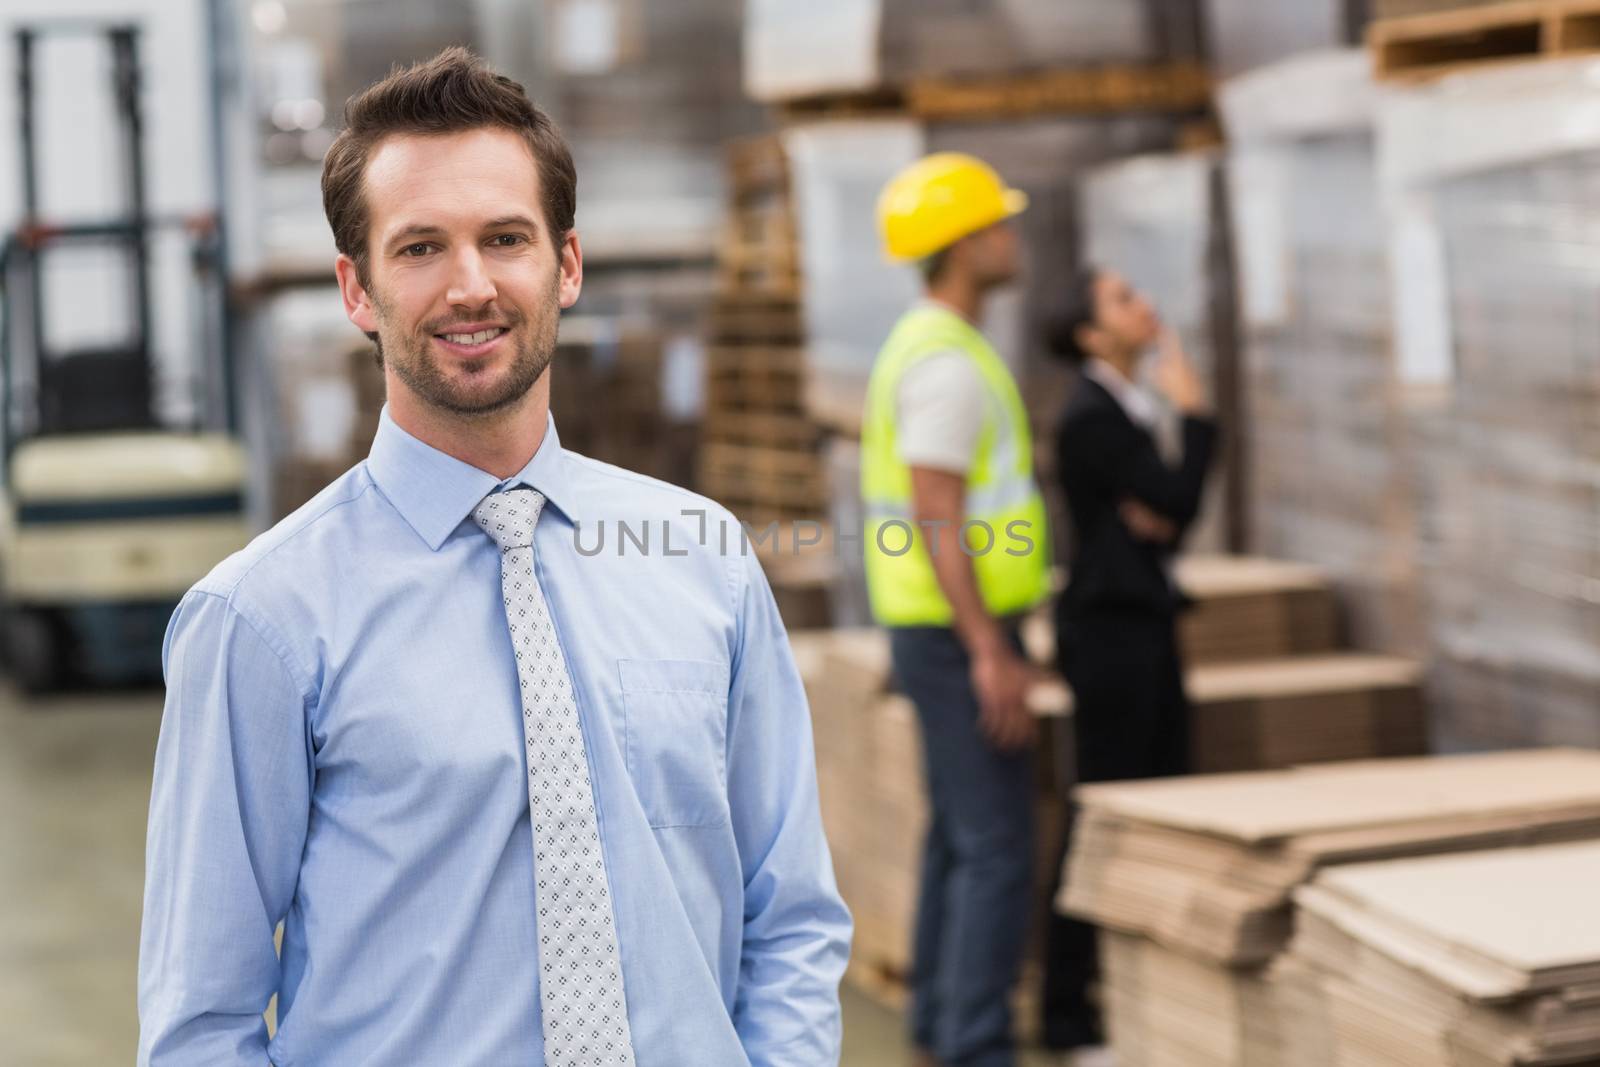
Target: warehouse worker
955 545
1116 623
514 803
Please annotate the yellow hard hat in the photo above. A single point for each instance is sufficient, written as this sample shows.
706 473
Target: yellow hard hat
940 199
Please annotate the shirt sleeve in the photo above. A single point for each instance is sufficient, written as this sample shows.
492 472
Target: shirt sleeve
939 413
796 927
228 813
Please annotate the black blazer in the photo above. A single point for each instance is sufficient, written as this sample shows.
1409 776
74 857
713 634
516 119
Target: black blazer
1102 458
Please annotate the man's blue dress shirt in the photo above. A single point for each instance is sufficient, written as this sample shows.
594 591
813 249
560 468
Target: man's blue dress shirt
342 749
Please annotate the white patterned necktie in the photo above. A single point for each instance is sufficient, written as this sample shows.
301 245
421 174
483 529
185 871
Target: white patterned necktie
580 973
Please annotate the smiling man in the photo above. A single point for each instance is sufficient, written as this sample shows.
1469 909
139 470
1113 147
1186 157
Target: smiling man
513 804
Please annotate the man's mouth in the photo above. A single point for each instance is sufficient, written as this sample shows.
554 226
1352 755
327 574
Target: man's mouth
472 342
476 338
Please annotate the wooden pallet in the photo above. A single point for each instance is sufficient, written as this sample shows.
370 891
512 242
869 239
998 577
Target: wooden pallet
758 515
1423 47
757 164
868 103
754 396
745 379
1165 87
767 267
765 394
1395 9
781 480
778 429
753 317
768 220
785 361
760 454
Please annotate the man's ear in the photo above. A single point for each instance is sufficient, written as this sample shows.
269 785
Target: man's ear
571 266
357 301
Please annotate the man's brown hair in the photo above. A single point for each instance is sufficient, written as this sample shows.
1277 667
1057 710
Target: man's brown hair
453 92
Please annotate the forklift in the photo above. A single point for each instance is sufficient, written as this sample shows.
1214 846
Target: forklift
109 511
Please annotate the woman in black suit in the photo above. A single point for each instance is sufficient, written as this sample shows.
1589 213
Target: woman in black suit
1116 623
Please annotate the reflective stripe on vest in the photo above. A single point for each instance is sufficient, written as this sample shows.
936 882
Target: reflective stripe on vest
1013 572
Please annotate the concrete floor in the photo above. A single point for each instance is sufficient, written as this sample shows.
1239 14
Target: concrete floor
74 793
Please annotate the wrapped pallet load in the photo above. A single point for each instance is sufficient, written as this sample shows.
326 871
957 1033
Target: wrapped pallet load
1493 180
840 46
1327 439
850 295
647 95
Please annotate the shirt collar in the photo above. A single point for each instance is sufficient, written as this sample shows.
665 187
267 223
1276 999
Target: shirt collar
434 492
1132 399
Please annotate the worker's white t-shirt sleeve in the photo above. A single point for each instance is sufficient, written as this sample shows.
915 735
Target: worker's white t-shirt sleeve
939 413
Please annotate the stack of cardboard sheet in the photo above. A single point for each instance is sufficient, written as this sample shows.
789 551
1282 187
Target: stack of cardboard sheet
1249 608
1268 689
1206 864
1166 1009
1489 958
886 815
1192 880
1273 714
874 805
869 777
1243 608
1279 713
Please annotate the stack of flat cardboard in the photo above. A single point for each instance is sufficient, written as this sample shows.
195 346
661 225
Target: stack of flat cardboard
1489 958
1244 608
1249 608
1192 879
1206 865
869 777
1268 689
873 798
1166 1009
1281 713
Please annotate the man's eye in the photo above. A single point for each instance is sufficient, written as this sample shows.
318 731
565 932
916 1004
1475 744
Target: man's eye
506 240
416 250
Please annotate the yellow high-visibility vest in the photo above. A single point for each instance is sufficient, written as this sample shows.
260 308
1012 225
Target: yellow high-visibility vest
1005 528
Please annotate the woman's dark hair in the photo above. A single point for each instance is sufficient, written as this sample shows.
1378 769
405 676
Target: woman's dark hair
1073 312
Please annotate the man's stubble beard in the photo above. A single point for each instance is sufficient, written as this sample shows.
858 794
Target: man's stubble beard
418 368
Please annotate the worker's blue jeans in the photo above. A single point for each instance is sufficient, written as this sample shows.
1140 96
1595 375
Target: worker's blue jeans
973 913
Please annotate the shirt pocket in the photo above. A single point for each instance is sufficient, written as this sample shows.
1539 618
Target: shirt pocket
675 732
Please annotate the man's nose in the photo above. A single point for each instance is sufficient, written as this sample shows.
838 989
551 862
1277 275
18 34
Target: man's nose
470 282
